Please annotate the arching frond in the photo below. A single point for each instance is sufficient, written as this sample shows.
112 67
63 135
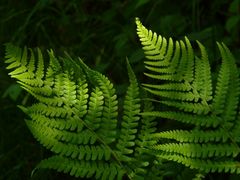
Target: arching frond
184 84
76 117
66 119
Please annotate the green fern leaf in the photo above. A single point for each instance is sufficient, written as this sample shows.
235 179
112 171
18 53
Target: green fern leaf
184 84
130 118
108 124
76 115
98 169
65 120
204 165
193 136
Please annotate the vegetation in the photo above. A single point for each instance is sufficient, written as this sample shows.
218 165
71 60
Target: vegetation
66 26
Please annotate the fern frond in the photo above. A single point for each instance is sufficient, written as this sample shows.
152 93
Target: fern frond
193 136
199 151
143 159
94 115
51 111
184 84
14 56
154 46
108 124
148 129
97 169
203 81
204 165
130 118
197 108
65 120
76 113
170 61
226 98
82 96
170 86
176 95
198 120
59 123
222 85
62 143
78 121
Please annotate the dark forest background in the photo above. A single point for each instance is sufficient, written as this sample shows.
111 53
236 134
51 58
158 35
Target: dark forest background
102 32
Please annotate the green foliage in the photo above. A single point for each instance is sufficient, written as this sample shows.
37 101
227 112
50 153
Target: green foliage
103 32
76 116
184 85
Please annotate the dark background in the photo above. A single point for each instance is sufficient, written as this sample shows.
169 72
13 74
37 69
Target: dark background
102 32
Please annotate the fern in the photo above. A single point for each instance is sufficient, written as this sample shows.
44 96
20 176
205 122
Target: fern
184 85
76 117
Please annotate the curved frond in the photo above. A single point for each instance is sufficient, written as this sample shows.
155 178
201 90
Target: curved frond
66 120
184 85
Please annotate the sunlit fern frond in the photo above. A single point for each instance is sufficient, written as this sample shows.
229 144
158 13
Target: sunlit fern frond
76 117
72 120
183 83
